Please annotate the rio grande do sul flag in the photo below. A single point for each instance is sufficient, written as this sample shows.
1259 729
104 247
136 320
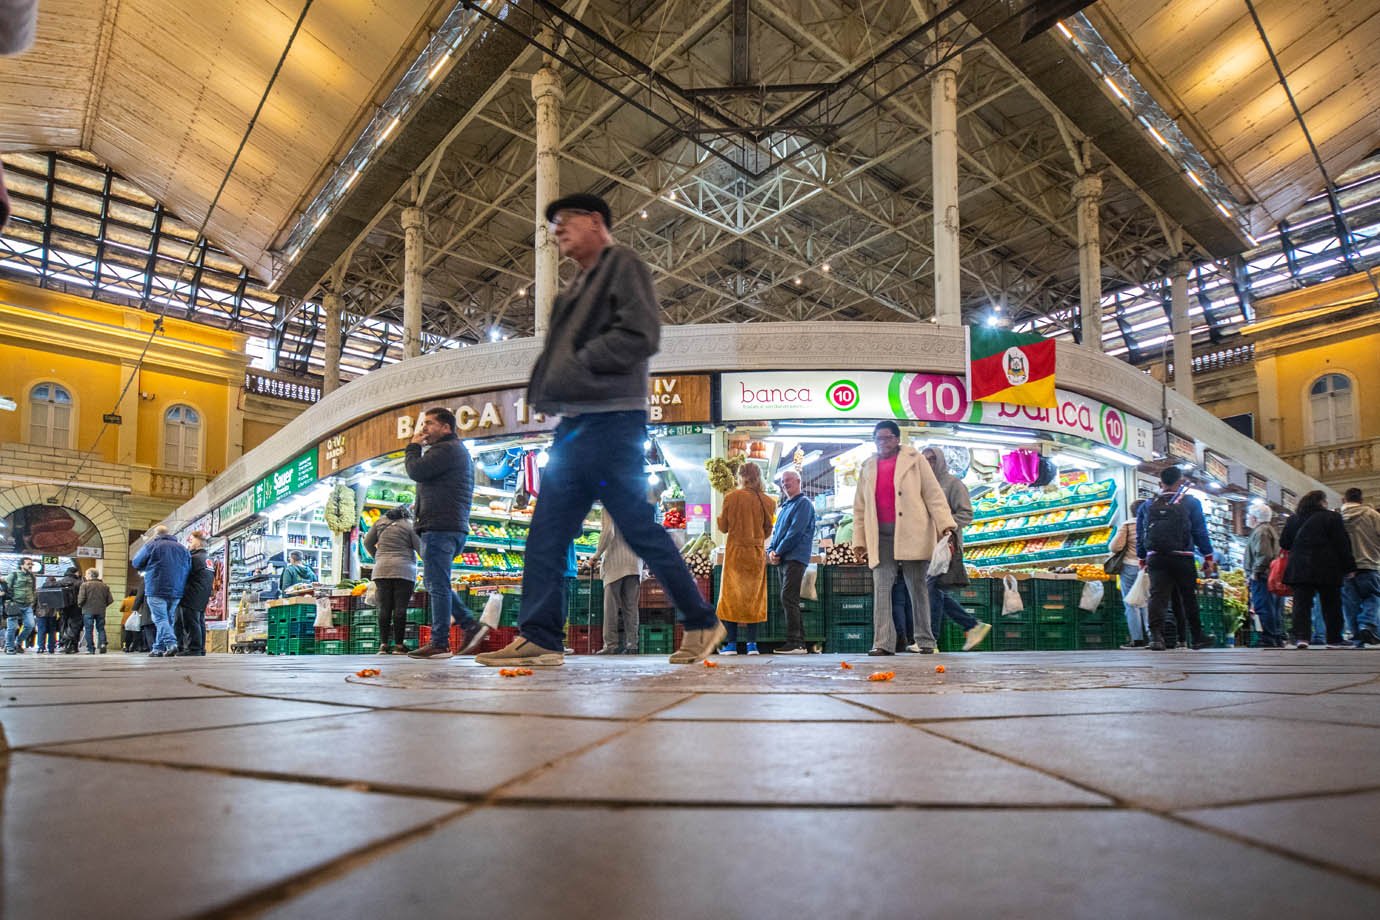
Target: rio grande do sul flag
1010 367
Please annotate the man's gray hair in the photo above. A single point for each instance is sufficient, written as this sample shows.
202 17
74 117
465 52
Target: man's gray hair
159 529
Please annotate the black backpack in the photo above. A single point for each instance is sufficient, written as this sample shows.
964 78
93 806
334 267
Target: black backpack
1168 528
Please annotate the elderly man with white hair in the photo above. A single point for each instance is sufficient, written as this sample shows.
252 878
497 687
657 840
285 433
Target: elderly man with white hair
792 540
165 564
1260 552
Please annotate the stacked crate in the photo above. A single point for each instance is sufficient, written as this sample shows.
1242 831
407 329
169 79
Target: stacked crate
847 607
976 599
290 627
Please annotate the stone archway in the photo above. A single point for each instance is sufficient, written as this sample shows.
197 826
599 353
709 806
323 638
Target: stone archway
99 511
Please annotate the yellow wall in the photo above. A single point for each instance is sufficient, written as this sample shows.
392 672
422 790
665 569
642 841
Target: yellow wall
209 399
92 385
1357 356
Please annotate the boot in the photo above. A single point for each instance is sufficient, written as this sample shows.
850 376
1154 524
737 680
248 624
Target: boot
1157 642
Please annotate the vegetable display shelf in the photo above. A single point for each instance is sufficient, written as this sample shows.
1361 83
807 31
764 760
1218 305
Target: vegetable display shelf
1101 492
1065 528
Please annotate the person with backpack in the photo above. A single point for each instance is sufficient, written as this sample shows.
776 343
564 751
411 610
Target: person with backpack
70 621
1320 559
1168 529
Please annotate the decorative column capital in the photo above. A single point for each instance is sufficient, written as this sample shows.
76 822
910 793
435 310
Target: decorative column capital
1180 267
547 82
1088 185
413 219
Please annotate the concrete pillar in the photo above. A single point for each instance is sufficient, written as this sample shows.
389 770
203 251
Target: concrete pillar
331 305
1087 195
1181 327
412 223
944 165
548 93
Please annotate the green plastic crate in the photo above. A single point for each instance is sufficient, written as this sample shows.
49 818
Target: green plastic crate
362 647
655 640
584 602
1096 636
364 618
1008 636
1056 601
276 646
418 615
1026 589
976 594
331 647
839 580
301 646
951 638
848 638
1056 637
849 608
360 632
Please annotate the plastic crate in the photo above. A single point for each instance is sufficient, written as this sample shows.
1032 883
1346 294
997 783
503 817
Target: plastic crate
848 638
655 640
364 618
584 602
951 638
1056 601
652 595
331 647
846 580
848 608
275 646
362 647
497 638
332 633
296 611
418 599
362 631
705 584
1096 636
418 615
1007 636
301 629
585 640
345 604
301 646
1056 637
977 594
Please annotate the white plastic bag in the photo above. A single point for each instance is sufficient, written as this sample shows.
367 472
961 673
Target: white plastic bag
1011 602
324 617
1139 595
1092 596
939 562
493 611
808 591
371 594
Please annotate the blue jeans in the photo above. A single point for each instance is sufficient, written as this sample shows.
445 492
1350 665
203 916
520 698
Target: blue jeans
942 604
1270 608
18 629
1319 624
47 628
732 629
1135 616
1361 602
163 610
439 549
92 621
902 617
598 456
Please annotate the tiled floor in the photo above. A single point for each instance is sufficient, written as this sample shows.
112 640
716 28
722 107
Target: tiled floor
1120 784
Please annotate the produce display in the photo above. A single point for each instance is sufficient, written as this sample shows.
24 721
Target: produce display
723 474
845 555
1055 546
1024 501
696 554
674 518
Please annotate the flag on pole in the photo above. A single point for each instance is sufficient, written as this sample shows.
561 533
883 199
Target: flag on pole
1010 367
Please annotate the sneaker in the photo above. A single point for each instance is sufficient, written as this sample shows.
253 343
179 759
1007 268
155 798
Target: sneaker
155 654
1204 642
928 650
522 652
1338 645
103 650
913 648
879 652
699 644
752 649
1157 644
1134 644
1366 638
473 636
973 637
729 649
1300 645
608 650
430 651
791 648
384 649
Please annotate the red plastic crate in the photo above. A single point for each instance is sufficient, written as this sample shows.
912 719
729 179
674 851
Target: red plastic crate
343 604
330 633
706 586
498 637
652 594
585 640
418 599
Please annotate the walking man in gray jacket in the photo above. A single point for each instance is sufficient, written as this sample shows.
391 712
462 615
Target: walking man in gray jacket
592 372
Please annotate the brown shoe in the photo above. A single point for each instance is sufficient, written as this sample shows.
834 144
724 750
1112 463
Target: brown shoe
522 653
699 644
430 651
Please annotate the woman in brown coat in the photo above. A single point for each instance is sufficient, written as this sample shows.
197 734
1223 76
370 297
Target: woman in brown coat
746 519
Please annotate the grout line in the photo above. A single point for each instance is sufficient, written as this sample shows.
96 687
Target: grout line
43 745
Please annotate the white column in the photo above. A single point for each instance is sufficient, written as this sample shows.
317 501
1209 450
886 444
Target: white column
331 306
1087 194
548 93
944 157
1182 328
412 223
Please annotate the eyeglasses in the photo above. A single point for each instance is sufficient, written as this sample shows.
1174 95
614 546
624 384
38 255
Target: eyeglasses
563 216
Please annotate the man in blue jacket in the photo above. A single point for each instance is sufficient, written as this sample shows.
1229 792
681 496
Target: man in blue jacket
789 547
1168 529
165 564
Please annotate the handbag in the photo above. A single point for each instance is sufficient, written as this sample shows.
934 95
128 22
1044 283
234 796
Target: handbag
1117 560
1277 568
957 576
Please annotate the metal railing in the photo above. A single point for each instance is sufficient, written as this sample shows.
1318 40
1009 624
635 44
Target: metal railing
1341 460
282 388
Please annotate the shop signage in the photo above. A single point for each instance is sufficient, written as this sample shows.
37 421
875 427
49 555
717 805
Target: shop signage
671 399
287 480
112 418
801 395
1288 499
232 512
1216 467
1182 448
1256 485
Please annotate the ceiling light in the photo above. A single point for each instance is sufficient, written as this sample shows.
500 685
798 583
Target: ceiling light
993 319
522 292
1116 89
1120 456
671 195
798 282
437 69
826 268
1063 30
495 334
1196 181
643 215
1222 208
392 125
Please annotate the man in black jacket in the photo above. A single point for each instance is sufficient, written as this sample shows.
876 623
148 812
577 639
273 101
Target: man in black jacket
196 595
592 372
445 488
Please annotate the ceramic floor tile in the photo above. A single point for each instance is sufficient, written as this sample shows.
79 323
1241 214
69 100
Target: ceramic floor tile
342 687
1045 702
787 763
30 725
770 707
1346 708
600 704
449 754
54 693
1331 829
152 842
610 864
1258 682
1169 762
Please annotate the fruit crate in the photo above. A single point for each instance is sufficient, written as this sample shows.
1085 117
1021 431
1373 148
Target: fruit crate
976 595
1056 601
362 631
301 629
362 647
655 640
848 638
346 603
331 647
1056 637
418 599
585 640
332 633
275 646
848 608
1007 636
1096 637
845 580
293 611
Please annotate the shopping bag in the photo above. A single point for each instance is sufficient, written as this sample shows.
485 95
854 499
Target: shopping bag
808 592
493 611
1139 595
939 561
371 594
1277 569
957 576
323 613
1011 602
1092 596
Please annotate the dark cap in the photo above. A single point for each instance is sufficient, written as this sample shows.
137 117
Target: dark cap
581 202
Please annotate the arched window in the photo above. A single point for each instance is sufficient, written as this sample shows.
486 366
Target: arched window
50 416
1331 406
182 438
